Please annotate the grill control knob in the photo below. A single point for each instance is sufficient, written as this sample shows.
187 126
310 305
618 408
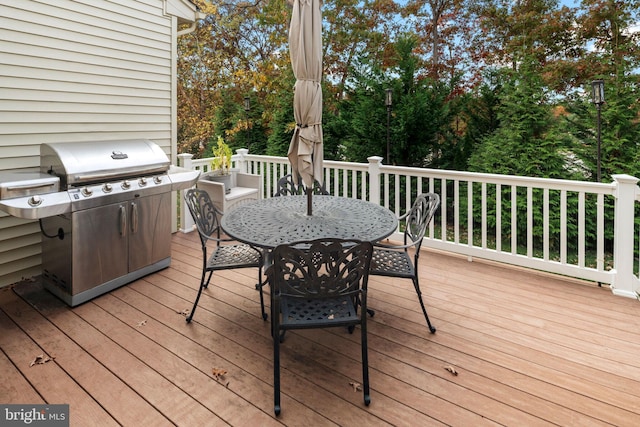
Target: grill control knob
126 185
157 179
86 192
107 188
142 182
35 201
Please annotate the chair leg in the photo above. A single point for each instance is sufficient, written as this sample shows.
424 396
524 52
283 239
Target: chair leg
365 364
276 372
203 285
370 312
259 288
432 329
206 284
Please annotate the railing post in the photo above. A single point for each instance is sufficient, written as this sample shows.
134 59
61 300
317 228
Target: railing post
624 282
374 178
186 222
241 163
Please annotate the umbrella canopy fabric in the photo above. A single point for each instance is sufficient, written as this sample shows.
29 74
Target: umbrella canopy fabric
305 45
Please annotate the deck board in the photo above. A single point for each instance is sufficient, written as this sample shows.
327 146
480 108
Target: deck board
530 349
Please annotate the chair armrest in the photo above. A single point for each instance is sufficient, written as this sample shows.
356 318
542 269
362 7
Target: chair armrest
247 180
220 240
388 246
404 216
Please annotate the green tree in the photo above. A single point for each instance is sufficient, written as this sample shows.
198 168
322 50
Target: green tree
420 112
538 31
606 25
234 52
524 143
476 118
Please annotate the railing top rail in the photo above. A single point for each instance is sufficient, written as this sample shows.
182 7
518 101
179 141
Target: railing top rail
523 181
333 164
265 158
328 164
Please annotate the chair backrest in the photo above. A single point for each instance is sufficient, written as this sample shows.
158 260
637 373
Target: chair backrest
204 213
319 189
419 217
287 187
322 268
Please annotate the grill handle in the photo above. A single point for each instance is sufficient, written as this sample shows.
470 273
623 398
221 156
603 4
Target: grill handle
30 186
134 218
104 175
123 220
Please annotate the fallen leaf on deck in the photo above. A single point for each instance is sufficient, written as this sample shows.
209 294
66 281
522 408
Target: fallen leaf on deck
356 386
331 317
41 360
143 323
218 373
451 369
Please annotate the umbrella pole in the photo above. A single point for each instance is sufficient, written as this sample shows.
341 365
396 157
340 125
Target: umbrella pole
309 204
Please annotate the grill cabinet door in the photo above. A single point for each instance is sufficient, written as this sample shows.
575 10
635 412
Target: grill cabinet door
100 249
149 230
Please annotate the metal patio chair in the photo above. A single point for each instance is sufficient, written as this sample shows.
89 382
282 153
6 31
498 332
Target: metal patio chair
287 187
319 284
227 253
395 260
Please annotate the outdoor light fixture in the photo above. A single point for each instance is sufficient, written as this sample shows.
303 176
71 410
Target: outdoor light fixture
388 101
597 92
388 97
247 103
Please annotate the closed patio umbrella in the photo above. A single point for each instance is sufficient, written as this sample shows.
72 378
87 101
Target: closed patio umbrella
305 46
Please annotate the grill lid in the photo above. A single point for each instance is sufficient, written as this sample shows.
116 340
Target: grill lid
81 163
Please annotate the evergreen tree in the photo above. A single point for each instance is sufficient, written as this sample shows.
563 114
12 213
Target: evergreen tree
524 143
282 124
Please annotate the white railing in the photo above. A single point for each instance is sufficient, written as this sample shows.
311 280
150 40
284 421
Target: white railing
531 222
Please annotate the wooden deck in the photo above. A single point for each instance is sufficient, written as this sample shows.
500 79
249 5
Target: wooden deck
530 350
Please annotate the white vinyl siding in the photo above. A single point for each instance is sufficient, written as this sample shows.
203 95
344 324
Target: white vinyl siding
77 70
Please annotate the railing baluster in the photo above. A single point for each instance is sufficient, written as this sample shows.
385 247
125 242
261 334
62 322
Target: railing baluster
456 211
483 218
443 209
498 218
600 233
514 220
545 224
470 213
581 229
563 226
529 222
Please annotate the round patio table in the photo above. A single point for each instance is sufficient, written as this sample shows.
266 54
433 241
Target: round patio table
276 220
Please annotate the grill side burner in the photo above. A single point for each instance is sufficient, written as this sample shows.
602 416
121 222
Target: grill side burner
110 224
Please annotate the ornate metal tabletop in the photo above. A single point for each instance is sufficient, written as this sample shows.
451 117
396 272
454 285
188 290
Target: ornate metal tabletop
276 220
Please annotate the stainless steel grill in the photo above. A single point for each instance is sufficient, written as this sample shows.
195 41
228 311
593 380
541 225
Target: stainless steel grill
104 209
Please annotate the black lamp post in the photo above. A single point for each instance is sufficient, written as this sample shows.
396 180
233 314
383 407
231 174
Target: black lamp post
597 92
247 108
388 101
